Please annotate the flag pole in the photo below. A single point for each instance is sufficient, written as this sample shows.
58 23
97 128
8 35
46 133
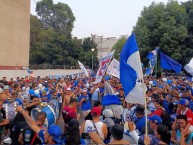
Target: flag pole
145 101
156 48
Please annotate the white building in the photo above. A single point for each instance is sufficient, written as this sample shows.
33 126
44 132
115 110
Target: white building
105 45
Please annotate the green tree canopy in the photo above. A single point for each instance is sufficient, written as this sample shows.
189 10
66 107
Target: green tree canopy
118 47
51 41
164 26
56 16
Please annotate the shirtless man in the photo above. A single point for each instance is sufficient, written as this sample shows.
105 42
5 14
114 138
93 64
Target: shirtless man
69 94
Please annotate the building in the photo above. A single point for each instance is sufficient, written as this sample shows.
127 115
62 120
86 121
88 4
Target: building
105 45
14 34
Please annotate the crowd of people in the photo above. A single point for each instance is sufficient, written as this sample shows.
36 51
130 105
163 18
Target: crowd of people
73 111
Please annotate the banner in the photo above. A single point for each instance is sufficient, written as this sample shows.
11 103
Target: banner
114 68
104 62
83 69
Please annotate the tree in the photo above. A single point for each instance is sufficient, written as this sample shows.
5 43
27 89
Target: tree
164 26
88 44
118 47
56 16
51 40
36 55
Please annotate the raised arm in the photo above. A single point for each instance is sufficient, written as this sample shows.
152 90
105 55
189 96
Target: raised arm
31 123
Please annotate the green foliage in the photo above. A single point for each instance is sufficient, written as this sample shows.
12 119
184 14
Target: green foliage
165 26
118 47
88 44
56 16
51 41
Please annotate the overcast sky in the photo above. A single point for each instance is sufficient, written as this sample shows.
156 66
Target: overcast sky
110 18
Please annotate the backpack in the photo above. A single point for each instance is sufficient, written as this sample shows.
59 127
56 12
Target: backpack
166 119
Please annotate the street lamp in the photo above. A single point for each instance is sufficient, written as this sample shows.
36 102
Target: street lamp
92 57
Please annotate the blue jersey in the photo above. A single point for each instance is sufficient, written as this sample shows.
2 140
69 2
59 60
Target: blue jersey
86 105
140 124
41 136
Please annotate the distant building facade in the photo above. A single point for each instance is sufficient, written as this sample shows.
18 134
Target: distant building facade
14 34
105 45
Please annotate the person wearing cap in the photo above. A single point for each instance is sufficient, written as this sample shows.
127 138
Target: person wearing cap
184 110
154 121
140 122
95 93
150 103
69 94
6 89
84 101
95 125
50 136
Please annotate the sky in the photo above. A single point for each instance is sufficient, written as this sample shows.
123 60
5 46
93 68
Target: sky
110 18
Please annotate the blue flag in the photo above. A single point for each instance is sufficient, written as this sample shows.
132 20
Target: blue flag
169 64
152 56
148 71
131 72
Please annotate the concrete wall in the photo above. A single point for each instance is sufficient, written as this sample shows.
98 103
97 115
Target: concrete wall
14 32
42 73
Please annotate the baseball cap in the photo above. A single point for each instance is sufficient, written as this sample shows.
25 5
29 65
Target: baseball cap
68 114
6 87
84 90
183 102
55 132
31 92
96 111
68 89
155 118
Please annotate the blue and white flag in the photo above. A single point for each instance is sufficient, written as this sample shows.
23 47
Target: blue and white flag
83 69
131 74
104 63
152 56
169 64
114 68
189 67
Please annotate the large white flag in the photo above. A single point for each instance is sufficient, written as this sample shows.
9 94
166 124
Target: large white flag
104 62
114 68
189 67
83 68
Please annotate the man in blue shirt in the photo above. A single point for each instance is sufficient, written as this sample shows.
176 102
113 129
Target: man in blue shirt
84 104
51 136
140 122
84 101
